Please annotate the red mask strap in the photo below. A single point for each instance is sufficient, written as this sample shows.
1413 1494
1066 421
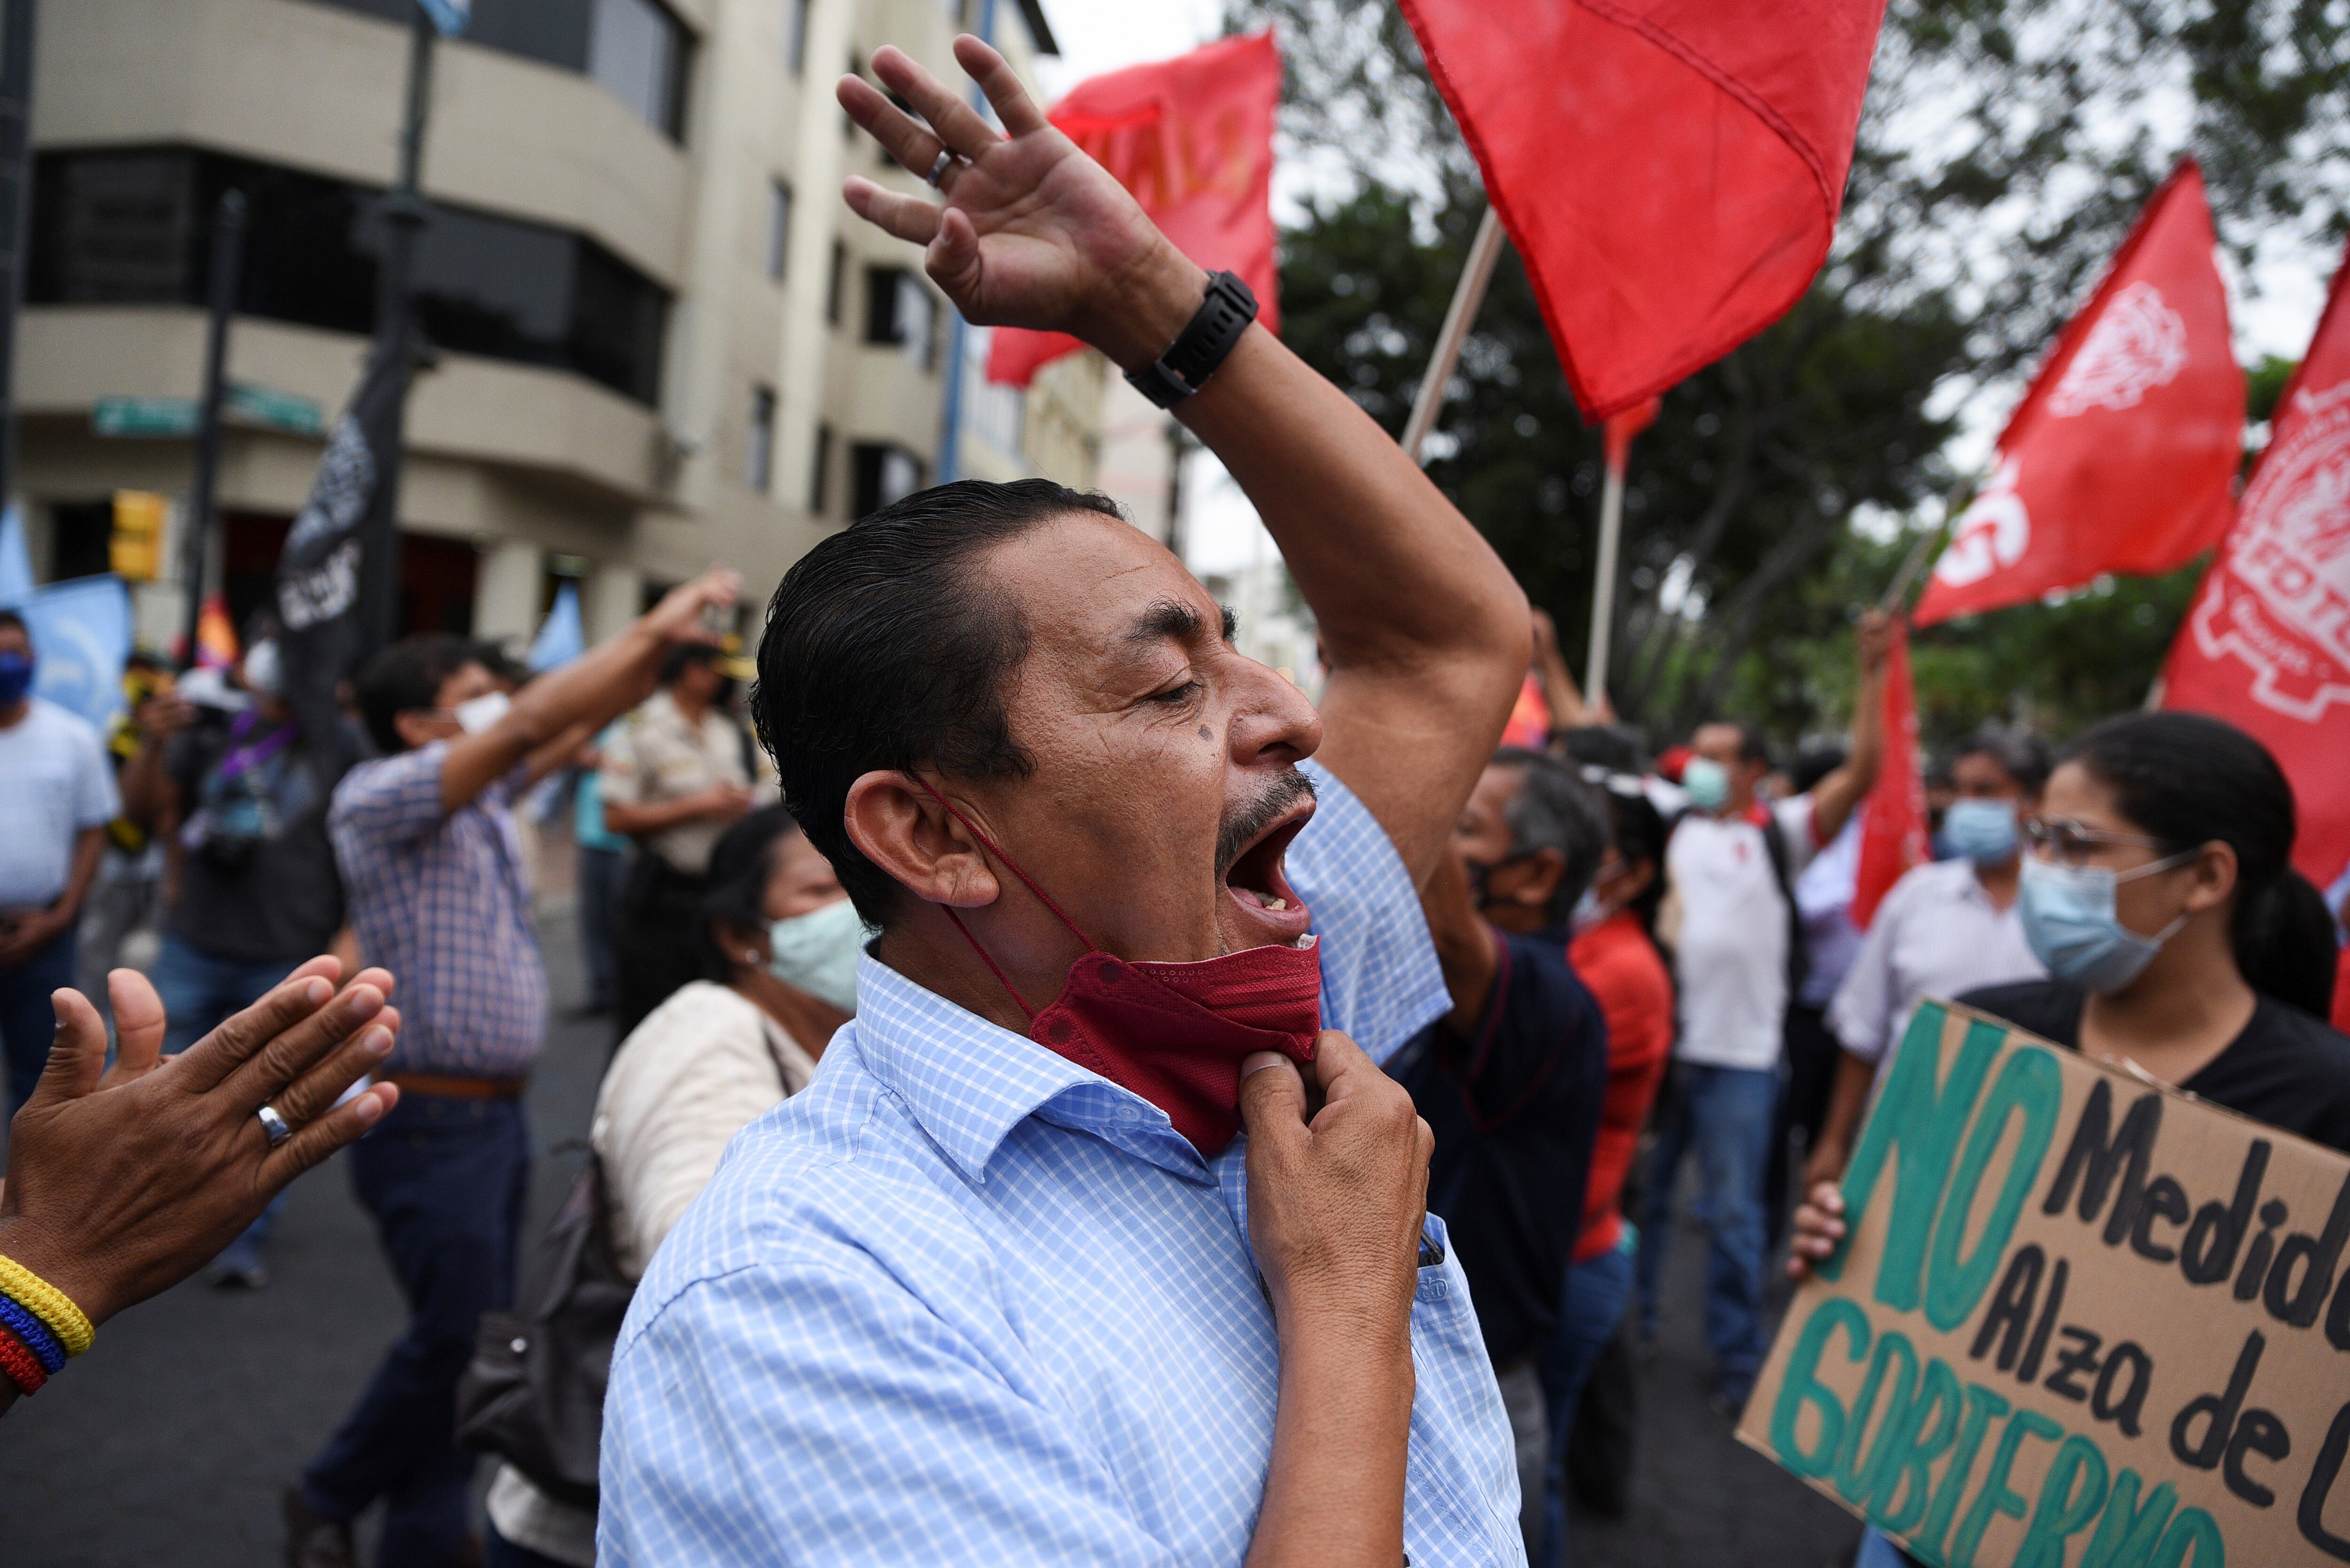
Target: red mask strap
1041 897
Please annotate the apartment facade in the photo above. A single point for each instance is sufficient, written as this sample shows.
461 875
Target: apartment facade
661 338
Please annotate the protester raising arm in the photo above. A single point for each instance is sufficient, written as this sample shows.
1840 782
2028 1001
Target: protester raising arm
122 1185
1424 631
556 714
1836 796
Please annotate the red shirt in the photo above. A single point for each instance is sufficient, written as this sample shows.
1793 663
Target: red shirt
1623 969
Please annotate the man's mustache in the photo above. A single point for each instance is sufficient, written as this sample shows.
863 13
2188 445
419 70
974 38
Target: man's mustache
1284 790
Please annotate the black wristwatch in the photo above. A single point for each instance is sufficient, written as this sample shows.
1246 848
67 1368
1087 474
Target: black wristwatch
1201 347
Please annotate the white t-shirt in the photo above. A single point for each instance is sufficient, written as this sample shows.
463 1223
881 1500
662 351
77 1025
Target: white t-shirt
1731 957
1937 934
54 782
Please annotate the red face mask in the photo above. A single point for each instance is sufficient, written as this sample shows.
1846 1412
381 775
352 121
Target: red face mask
1174 1033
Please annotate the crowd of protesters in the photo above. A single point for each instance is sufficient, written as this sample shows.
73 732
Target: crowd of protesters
1063 897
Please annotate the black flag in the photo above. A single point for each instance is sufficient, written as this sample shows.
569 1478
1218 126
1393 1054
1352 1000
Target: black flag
323 608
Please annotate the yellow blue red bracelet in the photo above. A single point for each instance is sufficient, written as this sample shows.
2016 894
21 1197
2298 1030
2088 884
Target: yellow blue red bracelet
51 1305
35 1334
19 1366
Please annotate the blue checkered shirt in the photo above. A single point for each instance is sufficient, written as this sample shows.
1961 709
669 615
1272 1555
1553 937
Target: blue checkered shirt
439 899
960 1300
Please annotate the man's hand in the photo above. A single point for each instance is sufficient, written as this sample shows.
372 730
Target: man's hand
1337 1197
162 716
724 802
1818 1229
121 1185
1032 232
1872 640
29 934
683 614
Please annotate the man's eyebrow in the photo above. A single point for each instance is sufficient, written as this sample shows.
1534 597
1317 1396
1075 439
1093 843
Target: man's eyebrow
1168 621
1231 622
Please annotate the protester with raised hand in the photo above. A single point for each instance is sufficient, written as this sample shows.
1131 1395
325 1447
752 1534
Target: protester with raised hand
2160 894
433 873
122 1181
1000 1286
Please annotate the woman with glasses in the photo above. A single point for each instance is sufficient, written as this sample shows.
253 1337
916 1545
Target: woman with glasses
1947 928
2160 894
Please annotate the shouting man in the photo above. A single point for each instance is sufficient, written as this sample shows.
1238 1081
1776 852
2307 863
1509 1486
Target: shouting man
1003 1285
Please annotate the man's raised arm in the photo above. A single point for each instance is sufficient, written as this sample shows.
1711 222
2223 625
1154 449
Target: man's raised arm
1426 632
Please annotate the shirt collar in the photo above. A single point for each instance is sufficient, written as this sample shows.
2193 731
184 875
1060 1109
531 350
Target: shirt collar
966 1082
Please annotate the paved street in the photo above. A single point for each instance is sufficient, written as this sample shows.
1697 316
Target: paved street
167 1447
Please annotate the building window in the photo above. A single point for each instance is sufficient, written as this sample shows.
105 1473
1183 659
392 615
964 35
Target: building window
759 454
639 51
883 474
899 311
796 21
128 228
80 534
836 282
820 472
779 227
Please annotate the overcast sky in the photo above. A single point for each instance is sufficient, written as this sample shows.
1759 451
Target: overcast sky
1097 35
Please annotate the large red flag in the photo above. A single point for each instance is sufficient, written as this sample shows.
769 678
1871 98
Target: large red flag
1892 824
1193 139
1670 170
2123 455
2267 645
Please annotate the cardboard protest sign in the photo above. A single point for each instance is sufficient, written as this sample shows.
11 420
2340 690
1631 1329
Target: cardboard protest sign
2081 1319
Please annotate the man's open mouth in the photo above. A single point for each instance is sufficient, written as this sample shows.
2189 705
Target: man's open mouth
1255 880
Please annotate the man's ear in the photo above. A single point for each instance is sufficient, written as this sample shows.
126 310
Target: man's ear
902 828
415 730
1540 884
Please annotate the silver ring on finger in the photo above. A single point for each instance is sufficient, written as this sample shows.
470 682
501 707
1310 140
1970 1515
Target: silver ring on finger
941 167
273 1126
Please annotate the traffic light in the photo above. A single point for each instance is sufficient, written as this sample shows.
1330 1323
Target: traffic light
135 552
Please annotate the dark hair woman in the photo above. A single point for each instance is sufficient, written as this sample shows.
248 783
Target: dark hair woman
2161 896
779 943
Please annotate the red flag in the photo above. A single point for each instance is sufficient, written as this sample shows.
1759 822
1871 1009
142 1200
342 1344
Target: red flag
1892 824
2123 455
2267 645
1529 725
1670 170
1193 139
1617 433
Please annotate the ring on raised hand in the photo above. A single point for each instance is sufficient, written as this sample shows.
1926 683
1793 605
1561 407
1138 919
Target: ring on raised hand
945 161
274 1126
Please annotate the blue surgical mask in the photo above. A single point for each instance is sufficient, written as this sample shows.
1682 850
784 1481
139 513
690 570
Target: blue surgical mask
817 953
2069 921
1707 782
16 678
1982 830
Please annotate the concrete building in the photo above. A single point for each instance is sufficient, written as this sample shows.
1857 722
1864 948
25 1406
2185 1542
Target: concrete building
663 339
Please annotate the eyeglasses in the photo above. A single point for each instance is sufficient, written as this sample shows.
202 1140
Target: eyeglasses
2069 843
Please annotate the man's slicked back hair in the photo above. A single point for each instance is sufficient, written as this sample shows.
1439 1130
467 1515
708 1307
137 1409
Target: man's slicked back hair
886 647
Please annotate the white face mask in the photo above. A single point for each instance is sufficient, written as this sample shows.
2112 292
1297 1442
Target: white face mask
817 953
482 713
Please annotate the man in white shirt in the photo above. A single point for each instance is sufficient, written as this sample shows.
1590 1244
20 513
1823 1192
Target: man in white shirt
1732 862
57 796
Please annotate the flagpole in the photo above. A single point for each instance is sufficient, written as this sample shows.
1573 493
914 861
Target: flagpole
1603 587
1467 295
1897 595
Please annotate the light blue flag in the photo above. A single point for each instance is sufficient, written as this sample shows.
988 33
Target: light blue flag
81 635
16 564
561 637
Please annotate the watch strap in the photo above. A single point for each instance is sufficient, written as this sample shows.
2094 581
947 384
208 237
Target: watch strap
1202 345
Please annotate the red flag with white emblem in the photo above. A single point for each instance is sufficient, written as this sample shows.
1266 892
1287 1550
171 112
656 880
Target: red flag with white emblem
1893 827
2123 455
2267 645
1191 138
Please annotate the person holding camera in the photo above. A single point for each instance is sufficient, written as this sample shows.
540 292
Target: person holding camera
241 796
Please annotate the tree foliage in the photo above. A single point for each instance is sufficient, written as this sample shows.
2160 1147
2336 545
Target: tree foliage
2005 148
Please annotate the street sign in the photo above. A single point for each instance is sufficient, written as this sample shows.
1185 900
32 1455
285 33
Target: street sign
143 417
245 404
287 412
449 15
